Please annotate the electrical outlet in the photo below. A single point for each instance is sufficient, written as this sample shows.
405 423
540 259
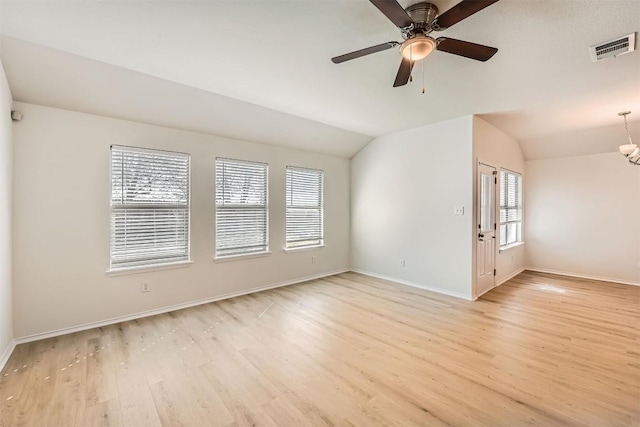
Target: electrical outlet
144 288
403 263
458 210
313 260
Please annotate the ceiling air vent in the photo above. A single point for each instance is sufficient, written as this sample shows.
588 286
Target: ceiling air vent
613 48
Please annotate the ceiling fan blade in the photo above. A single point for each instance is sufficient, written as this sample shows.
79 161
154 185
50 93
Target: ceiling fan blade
461 11
467 49
363 52
404 72
392 10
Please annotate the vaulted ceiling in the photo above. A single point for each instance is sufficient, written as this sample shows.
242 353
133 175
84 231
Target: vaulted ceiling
261 69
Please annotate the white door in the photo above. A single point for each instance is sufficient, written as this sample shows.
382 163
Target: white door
486 238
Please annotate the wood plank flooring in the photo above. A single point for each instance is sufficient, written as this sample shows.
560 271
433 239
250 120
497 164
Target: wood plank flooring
347 350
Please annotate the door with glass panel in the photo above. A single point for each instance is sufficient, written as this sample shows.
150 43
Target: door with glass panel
486 228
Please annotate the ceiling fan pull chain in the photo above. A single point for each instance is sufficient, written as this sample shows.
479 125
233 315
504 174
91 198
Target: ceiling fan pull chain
423 76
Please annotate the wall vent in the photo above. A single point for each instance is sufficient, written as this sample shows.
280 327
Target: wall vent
613 48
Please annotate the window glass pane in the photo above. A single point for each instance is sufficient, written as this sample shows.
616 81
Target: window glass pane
510 208
511 190
486 202
512 235
241 207
304 216
503 201
149 207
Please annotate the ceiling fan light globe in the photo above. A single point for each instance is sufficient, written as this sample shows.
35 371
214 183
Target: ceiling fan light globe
628 149
635 152
417 48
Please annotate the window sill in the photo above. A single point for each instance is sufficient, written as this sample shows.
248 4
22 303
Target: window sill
303 248
511 246
147 268
229 258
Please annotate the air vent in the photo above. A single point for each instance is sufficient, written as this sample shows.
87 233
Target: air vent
613 48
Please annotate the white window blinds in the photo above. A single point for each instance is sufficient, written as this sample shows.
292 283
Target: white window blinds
241 207
149 207
304 207
510 208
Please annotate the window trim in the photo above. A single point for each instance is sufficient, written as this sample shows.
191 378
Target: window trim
148 268
519 240
233 257
304 248
510 246
166 265
228 258
321 242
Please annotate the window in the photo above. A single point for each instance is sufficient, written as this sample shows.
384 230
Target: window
510 208
241 207
304 207
149 207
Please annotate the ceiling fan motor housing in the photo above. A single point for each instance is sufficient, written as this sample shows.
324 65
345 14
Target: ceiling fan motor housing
418 44
422 14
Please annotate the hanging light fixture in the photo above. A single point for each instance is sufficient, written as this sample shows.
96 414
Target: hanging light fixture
630 150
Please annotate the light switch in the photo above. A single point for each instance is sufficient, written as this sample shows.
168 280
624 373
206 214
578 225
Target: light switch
458 210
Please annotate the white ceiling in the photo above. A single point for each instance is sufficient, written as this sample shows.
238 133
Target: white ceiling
276 54
50 77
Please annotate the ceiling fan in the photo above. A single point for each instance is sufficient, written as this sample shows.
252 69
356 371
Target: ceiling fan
416 23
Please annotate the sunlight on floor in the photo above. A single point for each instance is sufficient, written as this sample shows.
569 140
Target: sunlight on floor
551 288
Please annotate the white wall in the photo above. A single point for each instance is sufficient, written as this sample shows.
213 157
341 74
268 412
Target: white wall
583 216
6 328
494 147
404 189
61 221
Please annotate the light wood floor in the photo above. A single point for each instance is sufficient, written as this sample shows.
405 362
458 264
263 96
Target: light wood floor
347 350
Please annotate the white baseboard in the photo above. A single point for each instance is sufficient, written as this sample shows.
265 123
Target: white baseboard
4 358
504 279
113 320
416 285
583 276
510 276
